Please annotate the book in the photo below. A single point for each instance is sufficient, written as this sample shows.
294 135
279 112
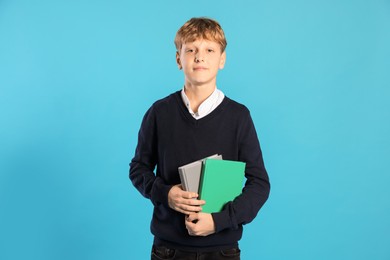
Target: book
221 181
190 174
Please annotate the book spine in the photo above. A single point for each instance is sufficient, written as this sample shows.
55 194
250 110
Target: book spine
201 179
183 179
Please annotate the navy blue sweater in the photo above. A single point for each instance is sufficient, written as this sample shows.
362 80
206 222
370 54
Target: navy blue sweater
170 137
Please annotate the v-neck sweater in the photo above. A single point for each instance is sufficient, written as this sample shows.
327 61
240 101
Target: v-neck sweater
170 137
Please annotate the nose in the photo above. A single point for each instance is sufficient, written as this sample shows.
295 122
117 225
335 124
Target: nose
199 57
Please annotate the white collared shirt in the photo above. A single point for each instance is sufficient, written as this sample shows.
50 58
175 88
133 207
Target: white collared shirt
207 106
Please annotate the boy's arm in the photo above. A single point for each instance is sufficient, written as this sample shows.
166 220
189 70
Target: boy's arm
257 187
142 166
142 172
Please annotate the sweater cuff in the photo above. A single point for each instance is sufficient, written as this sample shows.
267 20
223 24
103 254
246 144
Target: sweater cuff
160 192
221 221
225 219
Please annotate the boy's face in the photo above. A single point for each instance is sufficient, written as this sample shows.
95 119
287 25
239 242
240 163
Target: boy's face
200 61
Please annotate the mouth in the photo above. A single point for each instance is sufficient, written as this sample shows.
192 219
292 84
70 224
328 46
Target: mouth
200 68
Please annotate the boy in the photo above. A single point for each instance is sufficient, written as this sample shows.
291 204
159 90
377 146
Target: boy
189 125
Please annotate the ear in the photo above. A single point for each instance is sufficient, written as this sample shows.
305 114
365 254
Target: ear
178 62
222 60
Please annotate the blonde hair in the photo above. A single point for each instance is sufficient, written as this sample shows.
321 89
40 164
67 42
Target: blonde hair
200 28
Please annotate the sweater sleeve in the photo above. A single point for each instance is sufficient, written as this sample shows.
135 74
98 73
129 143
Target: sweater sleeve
257 187
142 166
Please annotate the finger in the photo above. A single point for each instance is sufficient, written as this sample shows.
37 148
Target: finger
186 212
185 209
190 232
190 226
192 217
189 195
192 229
196 202
177 188
191 209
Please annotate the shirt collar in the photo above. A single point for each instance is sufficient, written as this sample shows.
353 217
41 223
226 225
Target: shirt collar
207 106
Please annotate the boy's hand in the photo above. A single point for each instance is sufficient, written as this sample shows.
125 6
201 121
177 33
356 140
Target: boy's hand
184 201
200 224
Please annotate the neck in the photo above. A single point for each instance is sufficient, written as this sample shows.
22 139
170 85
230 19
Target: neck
198 94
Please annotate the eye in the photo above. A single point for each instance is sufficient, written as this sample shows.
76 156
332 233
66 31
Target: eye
210 50
189 50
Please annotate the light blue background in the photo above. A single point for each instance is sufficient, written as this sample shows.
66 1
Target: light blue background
76 78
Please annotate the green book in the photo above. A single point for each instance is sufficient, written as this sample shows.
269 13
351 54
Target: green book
221 181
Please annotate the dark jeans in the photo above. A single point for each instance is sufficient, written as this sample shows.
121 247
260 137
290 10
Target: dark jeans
159 253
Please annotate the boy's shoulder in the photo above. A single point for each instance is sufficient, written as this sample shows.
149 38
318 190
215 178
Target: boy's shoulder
166 101
164 106
237 106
